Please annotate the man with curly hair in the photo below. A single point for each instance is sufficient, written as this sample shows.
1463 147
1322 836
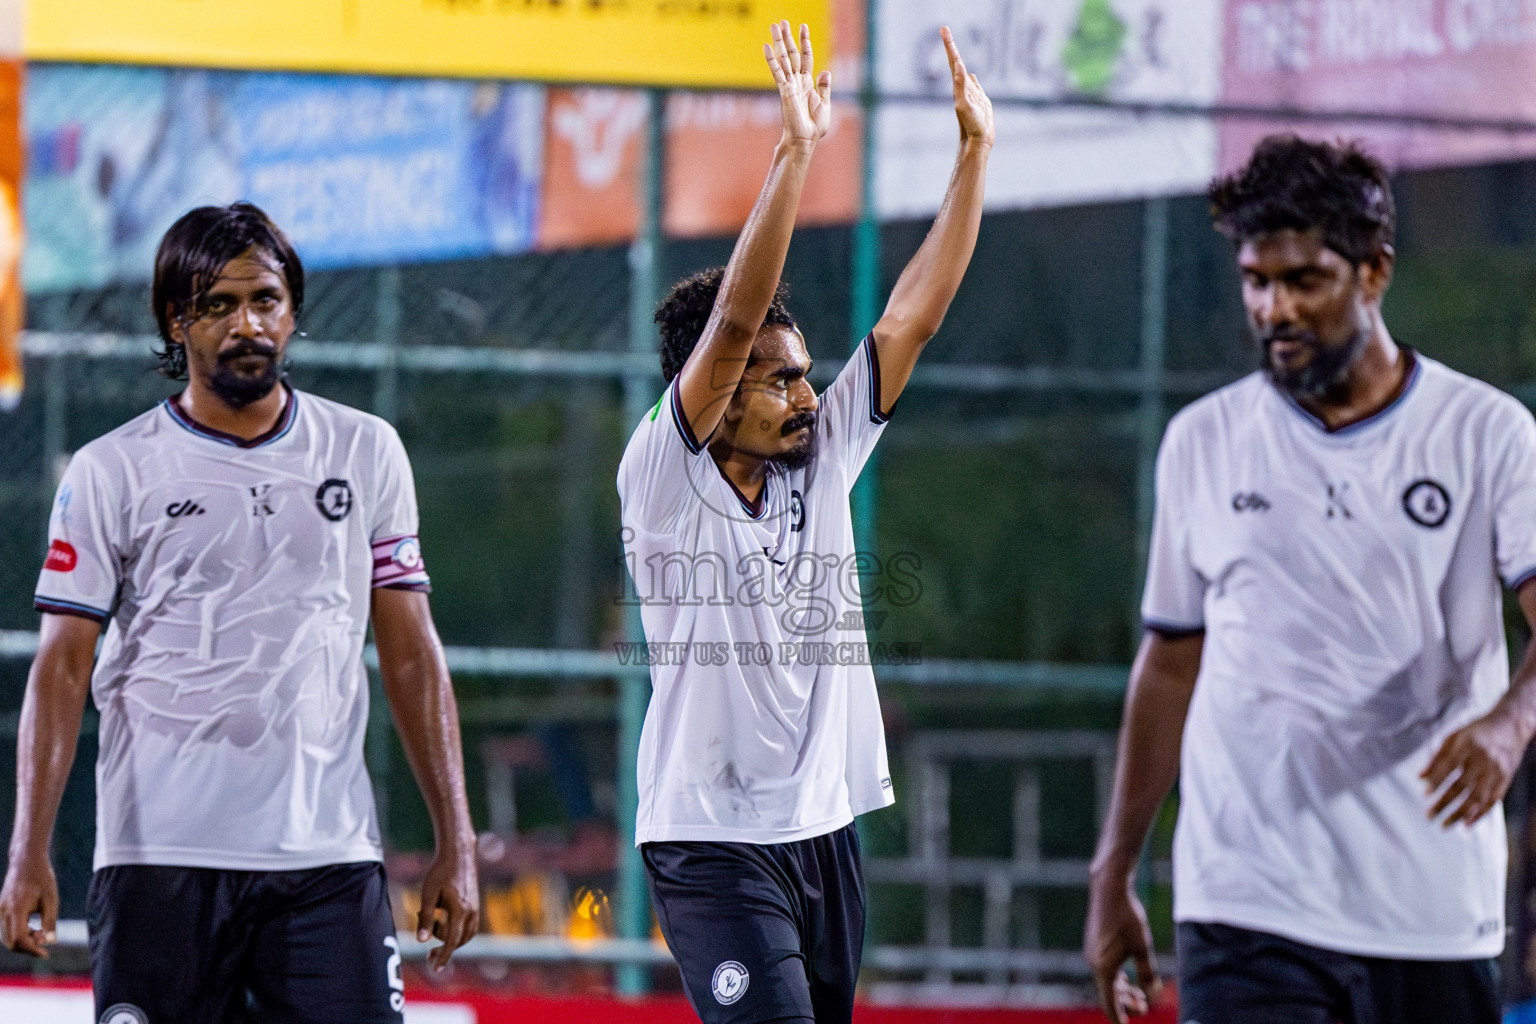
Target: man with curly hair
229 549
1324 666
763 738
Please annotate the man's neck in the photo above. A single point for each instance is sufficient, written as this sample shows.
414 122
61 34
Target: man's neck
205 407
745 472
1374 382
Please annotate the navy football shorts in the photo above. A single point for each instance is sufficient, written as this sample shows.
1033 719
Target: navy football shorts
1231 975
176 945
763 933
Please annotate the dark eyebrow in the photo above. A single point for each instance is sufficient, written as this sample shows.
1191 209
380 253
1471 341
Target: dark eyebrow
788 372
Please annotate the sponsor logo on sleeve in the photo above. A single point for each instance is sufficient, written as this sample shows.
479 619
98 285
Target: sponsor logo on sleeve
334 499
61 557
729 983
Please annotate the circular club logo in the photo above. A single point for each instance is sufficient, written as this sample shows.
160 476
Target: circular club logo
124 1013
407 554
334 499
729 983
1427 503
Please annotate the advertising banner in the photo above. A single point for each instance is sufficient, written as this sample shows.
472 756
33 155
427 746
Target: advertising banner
356 170
11 169
638 42
1464 59
1148 51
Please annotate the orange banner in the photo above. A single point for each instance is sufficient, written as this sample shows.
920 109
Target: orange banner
12 167
718 147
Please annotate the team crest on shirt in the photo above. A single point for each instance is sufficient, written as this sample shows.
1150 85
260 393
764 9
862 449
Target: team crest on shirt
124 1013
729 983
1427 503
334 499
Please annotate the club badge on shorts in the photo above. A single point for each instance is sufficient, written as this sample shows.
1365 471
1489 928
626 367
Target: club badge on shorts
729 983
124 1013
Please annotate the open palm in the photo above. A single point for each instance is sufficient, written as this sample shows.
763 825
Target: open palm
806 100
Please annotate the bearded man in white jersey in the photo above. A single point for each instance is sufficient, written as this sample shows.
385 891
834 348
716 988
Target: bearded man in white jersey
230 548
763 737
1324 645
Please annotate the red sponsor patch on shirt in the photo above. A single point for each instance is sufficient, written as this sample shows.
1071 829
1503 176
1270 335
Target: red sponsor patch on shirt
61 557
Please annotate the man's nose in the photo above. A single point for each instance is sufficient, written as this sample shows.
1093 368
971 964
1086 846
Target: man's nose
246 320
1275 307
805 396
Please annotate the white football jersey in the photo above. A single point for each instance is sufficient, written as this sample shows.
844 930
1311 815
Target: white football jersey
234 580
1348 583
764 724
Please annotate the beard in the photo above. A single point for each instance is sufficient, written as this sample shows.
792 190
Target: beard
239 390
1325 377
804 450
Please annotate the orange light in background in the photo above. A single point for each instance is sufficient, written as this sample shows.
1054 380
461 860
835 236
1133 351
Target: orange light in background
11 235
591 917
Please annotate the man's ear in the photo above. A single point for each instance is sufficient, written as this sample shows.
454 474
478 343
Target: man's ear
1376 273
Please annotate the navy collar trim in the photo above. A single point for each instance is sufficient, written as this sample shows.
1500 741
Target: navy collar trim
279 430
755 509
1414 372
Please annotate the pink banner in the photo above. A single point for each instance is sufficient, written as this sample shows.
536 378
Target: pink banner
1469 60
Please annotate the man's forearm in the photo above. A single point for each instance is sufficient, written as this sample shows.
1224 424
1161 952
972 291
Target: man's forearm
757 261
932 277
427 721
46 738
1147 761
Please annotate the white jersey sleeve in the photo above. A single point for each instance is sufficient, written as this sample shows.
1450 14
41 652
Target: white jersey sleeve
655 482
85 558
397 558
1514 498
1174 599
849 421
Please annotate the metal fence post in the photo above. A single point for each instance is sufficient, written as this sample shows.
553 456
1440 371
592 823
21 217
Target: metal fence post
864 305
634 908
386 405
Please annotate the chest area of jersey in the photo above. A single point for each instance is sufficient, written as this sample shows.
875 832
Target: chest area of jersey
1357 507
293 512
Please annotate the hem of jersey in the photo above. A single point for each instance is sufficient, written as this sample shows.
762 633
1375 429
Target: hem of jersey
1414 368
53 606
729 834
1326 936
1521 579
684 430
225 860
278 432
424 588
875 415
887 798
1162 627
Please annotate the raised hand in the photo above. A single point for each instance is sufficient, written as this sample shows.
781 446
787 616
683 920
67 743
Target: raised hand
806 100
972 107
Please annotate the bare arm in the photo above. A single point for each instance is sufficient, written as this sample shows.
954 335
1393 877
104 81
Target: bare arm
928 284
420 696
1476 764
1146 766
713 370
45 749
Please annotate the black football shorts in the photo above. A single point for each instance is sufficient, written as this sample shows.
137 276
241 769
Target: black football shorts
763 933
177 945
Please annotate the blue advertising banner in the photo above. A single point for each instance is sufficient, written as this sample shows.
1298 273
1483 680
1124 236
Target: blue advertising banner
356 170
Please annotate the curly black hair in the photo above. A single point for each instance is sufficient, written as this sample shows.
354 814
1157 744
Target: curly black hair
190 257
684 312
1302 185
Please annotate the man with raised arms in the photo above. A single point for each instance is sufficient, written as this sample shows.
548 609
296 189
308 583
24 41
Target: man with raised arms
230 548
1325 645
753 759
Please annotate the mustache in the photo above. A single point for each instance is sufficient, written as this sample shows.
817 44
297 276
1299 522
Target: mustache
1267 338
794 423
248 347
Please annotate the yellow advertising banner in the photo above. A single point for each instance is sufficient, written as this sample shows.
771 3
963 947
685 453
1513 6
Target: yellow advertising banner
714 43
